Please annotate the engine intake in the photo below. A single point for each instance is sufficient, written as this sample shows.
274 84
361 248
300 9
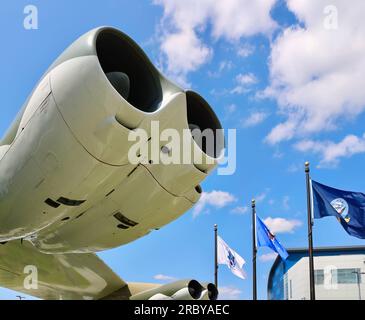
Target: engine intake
202 117
118 54
212 292
195 289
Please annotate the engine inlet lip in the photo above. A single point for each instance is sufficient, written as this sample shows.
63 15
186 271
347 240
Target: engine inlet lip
195 289
201 115
108 38
212 292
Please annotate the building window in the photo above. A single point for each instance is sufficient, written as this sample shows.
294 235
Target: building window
346 276
319 277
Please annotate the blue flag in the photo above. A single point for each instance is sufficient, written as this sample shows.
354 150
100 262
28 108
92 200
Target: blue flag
266 239
348 207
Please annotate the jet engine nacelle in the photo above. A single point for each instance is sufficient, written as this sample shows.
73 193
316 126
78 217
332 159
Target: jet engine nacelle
181 290
65 162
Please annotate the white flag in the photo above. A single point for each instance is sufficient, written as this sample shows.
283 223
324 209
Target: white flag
231 258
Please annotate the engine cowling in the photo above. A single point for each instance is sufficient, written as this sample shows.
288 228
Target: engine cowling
68 163
105 86
180 290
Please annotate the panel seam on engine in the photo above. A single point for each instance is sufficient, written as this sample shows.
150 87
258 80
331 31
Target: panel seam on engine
75 137
175 195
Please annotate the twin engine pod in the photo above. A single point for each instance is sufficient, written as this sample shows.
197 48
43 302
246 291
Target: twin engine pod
181 290
73 140
105 87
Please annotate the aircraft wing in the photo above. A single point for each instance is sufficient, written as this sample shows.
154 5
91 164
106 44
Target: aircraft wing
63 276
83 276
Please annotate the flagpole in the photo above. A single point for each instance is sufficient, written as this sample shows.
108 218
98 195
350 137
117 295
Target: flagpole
310 237
216 255
254 251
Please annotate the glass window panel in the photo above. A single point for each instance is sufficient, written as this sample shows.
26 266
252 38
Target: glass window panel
319 277
346 276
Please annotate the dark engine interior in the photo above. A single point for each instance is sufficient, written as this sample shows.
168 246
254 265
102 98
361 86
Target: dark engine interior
202 117
125 64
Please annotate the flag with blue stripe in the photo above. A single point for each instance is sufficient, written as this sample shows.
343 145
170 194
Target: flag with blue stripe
347 206
265 238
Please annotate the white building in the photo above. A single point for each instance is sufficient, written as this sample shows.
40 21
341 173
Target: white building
339 275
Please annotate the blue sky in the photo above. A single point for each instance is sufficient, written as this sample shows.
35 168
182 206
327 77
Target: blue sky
287 75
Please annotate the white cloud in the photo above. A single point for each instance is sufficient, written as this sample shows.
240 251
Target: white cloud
216 199
246 79
240 210
229 293
262 196
331 152
225 65
286 200
281 225
283 131
163 277
254 119
317 73
183 22
268 257
278 154
176 46
245 50
230 109
243 85
244 82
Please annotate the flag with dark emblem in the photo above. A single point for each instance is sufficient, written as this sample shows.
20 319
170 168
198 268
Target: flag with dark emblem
347 206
